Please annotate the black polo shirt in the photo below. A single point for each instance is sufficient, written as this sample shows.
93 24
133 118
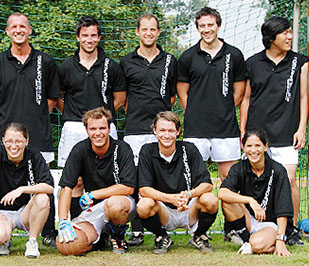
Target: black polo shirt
210 111
275 96
115 167
186 170
272 189
88 89
31 170
150 87
24 90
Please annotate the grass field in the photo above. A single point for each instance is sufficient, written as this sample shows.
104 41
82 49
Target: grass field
181 253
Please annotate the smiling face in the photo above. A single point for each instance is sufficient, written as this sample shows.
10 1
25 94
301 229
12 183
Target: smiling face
255 150
18 29
98 131
148 32
15 144
283 41
208 28
88 38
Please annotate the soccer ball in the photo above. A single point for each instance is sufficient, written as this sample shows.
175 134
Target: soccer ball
79 246
304 226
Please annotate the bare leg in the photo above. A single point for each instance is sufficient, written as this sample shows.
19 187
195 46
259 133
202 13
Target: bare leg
263 241
117 209
6 228
224 167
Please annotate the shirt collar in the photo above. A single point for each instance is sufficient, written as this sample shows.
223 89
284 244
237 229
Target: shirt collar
101 55
219 54
135 54
10 56
110 150
264 57
267 169
26 157
178 153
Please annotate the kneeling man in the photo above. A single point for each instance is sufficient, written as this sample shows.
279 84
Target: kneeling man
175 187
109 176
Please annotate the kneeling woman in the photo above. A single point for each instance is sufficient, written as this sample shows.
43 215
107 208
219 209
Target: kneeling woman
256 198
25 182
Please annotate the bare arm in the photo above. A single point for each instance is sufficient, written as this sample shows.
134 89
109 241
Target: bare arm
120 98
64 203
280 247
182 91
173 99
114 190
51 104
60 103
239 90
299 139
244 107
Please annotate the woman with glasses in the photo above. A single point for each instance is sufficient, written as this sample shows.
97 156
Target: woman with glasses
25 182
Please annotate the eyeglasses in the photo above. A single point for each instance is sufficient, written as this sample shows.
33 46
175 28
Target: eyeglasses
10 142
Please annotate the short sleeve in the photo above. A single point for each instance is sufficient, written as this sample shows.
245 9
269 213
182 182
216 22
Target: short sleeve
183 69
127 169
232 181
145 169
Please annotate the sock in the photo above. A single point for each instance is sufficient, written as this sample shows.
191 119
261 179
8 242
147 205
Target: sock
239 226
136 225
75 208
205 220
154 225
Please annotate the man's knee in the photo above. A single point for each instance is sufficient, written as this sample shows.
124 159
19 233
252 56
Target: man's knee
144 207
117 204
6 227
41 201
257 242
210 202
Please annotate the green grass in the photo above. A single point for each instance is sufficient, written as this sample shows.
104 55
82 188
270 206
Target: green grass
181 253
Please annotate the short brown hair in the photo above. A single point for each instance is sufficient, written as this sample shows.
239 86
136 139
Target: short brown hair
17 14
147 16
168 116
207 11
97 113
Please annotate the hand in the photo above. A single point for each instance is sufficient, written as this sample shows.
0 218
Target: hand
10 197
299 139
66 231
281 249
176 199
258 210
86 201
185 197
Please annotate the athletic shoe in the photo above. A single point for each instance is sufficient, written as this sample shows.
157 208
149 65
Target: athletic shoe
294 238
103 244
32 249
233 237
5 248
202 243
245 249
136 239
49 240
162 243
120 246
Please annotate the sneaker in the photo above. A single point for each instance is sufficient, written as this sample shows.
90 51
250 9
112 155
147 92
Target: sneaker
245 249
136 239
120 246
32 249
103 244
49 240
162 243
202 243
294 238
233 237
5 248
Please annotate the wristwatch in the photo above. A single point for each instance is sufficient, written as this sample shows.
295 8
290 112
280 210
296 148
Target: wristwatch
281 237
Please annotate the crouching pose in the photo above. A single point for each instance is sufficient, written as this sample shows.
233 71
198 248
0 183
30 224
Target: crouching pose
25 182
256 198
109 176
175 187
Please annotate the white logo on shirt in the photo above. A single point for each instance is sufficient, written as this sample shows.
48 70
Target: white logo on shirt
289 82
38 81
187 173
225 75
105 80
116 167
164 76
31 181
265 200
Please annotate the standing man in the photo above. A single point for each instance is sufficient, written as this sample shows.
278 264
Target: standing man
175 187
210 86
107 169
88 79
151 76
276 100
29 88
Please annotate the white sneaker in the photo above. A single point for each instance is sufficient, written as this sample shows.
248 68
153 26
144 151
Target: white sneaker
32 249
245 249
4 248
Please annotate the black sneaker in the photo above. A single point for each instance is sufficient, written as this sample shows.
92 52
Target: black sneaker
201 242
49 240
294 238
162 244
120 246
136 239
233 237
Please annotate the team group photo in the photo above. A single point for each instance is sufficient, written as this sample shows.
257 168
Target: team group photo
128 139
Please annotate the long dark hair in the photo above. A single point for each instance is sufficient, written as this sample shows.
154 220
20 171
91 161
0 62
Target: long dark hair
259 132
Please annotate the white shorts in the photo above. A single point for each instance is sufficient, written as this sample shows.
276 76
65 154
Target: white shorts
283 155
220 150
257 226
97 216
179 219
137 141
15 217
72 133
48 156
